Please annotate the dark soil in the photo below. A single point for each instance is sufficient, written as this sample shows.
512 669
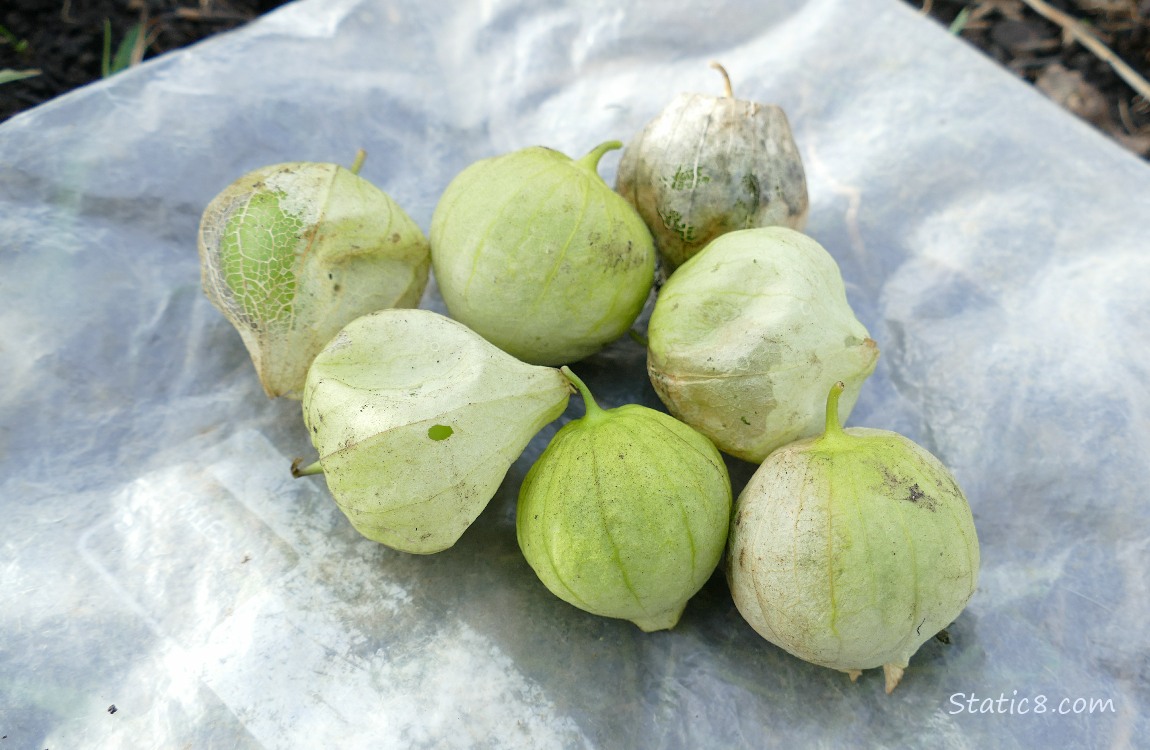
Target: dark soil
65 41
1041 52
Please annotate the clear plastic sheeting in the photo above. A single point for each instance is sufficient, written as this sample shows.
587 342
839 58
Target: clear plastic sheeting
159 558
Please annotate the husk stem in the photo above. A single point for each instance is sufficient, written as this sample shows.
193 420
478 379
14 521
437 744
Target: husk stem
591 408
834 429
360 155
728 91
590 162
308 470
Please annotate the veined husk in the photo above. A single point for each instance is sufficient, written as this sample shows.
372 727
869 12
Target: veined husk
293 252
707 165
417 419
533 251
745 338
625 514
852 549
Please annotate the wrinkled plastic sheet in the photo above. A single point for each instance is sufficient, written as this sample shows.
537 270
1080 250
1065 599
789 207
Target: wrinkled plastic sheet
158 557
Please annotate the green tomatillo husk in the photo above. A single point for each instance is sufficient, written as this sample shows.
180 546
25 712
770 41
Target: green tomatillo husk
852 549
745 335
625 514
293 252
534 252
417 419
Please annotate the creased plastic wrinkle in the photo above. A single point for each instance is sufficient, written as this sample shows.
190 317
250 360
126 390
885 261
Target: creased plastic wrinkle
158 556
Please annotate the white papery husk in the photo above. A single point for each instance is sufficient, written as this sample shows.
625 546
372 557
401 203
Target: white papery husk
852 550
293 252
417 419
707 165
747 336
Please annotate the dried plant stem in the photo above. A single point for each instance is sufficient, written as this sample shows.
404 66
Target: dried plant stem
141 44
1092 43
726 80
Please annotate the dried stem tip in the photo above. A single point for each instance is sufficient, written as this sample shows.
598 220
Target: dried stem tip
299 470
728 92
